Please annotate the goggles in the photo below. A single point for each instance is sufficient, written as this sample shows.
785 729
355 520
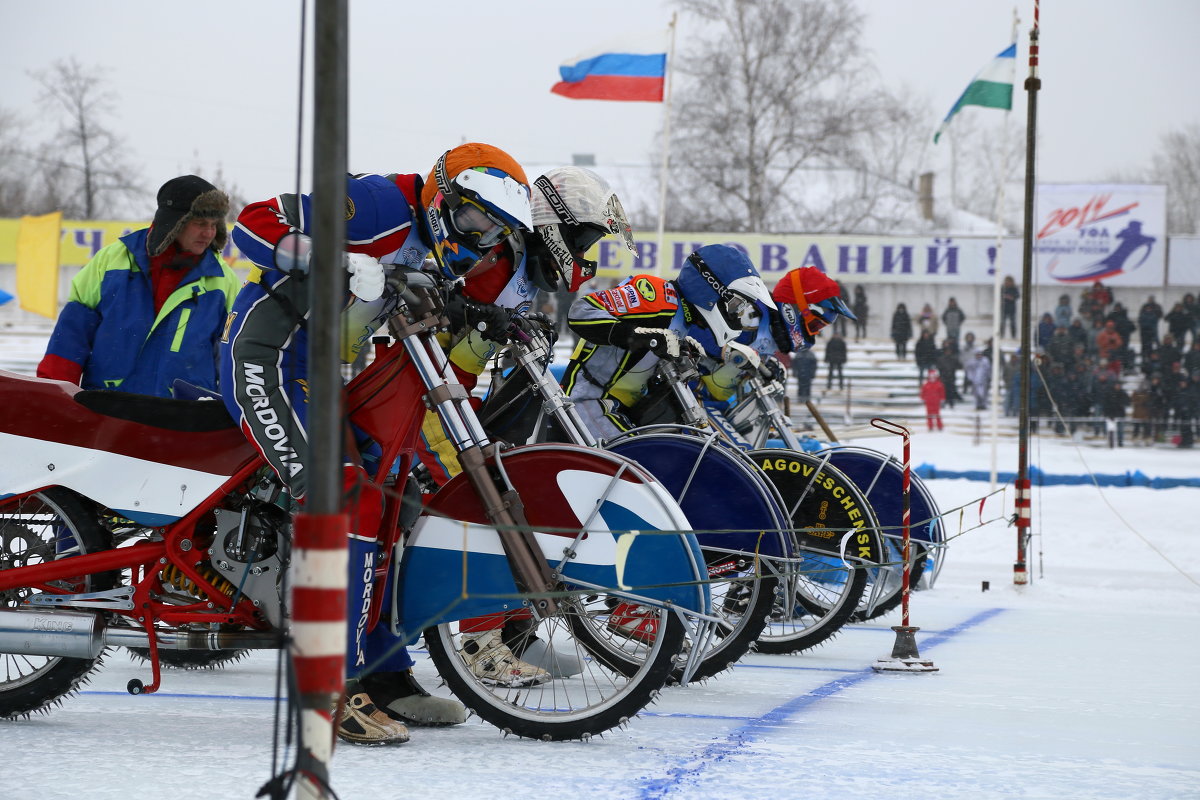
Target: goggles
743 309
471 219
817 316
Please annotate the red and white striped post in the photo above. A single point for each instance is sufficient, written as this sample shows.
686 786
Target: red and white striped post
318 648
905 657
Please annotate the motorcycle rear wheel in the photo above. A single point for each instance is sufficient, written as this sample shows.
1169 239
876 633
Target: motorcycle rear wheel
44 527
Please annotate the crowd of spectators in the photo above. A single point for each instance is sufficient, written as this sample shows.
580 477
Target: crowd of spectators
1128 375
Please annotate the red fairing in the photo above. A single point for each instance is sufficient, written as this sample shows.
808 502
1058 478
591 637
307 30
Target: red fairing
44 409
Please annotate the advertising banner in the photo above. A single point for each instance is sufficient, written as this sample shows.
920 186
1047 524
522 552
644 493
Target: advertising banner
1115 233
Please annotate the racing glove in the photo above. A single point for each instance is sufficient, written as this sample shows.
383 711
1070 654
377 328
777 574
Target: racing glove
660 341
366 276
740 356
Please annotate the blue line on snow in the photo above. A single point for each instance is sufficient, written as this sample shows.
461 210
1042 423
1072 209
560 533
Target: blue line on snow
757 728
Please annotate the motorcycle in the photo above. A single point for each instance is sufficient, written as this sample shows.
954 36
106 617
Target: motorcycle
136 521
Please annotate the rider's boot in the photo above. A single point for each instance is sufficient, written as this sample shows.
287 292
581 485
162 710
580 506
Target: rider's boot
634 621
362 723
520 636
402 698
493 663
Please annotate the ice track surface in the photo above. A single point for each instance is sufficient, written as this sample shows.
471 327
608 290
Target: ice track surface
1081 685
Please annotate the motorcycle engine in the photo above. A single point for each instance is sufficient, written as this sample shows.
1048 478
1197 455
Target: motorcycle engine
250 550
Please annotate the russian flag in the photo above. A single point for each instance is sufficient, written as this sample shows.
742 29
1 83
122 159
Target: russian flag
625 70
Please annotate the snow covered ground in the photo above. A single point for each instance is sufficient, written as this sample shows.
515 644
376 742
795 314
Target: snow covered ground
1083 684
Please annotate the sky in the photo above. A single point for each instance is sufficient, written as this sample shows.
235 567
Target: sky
214 86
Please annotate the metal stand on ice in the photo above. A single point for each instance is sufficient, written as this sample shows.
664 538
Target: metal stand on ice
905 657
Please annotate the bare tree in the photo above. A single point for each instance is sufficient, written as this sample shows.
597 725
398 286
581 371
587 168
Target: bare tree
985 153
83 169
780 123
1177 164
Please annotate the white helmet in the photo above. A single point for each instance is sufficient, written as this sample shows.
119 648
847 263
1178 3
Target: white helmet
573 208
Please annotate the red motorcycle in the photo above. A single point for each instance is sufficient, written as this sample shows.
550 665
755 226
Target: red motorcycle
144 522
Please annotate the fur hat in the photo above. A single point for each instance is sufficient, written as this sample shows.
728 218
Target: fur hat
181 200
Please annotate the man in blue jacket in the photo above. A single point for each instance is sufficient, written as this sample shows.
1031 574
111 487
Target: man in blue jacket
149 308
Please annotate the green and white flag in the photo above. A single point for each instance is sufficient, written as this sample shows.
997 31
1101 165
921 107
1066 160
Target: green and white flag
991 88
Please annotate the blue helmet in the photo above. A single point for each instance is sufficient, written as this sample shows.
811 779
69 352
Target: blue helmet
723 285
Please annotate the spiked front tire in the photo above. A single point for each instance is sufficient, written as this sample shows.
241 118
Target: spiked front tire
562 708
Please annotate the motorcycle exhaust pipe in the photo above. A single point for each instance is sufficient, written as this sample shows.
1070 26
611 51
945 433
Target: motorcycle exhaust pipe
83 634
69 634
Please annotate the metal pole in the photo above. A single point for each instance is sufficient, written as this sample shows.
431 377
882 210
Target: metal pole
319 556
660 269
1032 85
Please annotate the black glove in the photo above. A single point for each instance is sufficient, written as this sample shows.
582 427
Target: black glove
660 341
541 323
772 370
490 320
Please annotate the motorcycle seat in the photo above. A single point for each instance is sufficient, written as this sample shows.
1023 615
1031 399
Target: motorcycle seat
192 416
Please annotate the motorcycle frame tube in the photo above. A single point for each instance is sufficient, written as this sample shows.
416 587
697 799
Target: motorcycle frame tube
140 556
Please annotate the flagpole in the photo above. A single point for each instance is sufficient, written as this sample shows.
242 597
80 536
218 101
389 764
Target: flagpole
996 283
1023 501
666 153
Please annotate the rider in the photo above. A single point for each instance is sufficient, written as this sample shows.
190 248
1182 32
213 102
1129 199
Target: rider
475 196
625 330
573 208
806 300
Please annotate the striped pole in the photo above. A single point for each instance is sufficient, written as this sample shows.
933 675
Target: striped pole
318 647
906 532
905 656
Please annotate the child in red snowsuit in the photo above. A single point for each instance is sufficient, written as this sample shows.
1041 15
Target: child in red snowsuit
933 393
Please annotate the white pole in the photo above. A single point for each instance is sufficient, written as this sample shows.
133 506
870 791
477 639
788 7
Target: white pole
666 152
996 281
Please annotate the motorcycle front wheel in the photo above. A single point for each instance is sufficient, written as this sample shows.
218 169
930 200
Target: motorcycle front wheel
559 706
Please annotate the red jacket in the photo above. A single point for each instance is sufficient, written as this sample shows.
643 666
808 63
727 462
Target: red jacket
933 392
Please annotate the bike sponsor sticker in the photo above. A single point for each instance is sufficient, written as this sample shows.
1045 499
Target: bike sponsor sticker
830 503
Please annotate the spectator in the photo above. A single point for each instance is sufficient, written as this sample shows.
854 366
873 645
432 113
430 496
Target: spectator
835 357
1189 407
1045 330
927 320
1191 361
1125 327
902 330
979 372
1062 312
804 367
1112 400
1159 406
953 316
965 354
1193 309
839 323
925 353
1009 295
1060 348
1179 323
1139 412
148 309
1169 352
933 394
1078 334
1108 342
861 309
1095 301
948 365
1148 318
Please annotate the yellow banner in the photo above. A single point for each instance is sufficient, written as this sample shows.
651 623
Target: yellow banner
82 239
37 254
